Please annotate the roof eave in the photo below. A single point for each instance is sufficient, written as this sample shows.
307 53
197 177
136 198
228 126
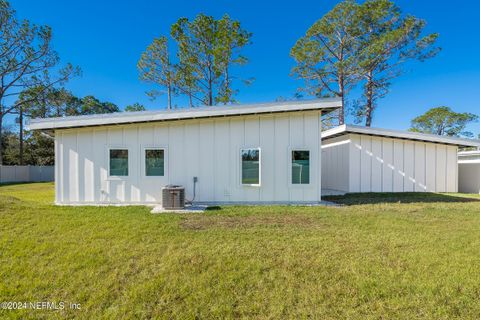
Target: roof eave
346 129
122 118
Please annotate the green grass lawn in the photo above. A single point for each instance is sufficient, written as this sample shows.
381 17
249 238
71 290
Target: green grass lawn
416 256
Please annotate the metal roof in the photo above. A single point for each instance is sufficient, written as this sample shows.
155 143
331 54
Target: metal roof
183 114
472 156
398 134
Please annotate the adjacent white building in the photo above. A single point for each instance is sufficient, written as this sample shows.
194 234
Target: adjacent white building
268 153
469 171
361 159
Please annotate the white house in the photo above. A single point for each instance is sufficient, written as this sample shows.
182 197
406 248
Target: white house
361 159
245 153
469 171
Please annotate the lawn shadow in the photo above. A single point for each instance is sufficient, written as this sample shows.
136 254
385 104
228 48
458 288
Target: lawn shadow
13 183
400 197
213 208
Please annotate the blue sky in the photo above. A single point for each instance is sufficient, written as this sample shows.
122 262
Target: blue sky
106 38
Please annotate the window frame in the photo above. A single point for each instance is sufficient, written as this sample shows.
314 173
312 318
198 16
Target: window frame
129 163
290 167
144 158
259 184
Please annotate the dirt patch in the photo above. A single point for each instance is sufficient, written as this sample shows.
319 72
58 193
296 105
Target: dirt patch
199 222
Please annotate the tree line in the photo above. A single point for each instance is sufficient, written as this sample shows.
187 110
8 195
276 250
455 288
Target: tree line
354 45
36 148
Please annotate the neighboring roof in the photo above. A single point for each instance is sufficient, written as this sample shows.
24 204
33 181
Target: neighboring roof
469 153
469 156
407 135
183 114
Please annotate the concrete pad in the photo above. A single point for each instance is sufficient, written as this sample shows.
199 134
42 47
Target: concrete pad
195 208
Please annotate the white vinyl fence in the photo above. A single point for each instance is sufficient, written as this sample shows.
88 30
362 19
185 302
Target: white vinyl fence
26 173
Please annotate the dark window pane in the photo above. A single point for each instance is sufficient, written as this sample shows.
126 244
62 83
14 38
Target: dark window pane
251 166
118 162
300 167
155 163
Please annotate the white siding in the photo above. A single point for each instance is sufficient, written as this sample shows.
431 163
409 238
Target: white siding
469 177
70 156
420 167
101 170
388 165
208 149
221 182
441 168
399 171
366 164
377 164
354 167
267 141
191 150
452 169
313 143
409 166
237 140
281 163
335 171
59 183
206 176
430 170
86 185
388 168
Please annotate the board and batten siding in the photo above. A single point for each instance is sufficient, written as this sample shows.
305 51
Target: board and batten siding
469 177
363 163
469 172
208 149
335 173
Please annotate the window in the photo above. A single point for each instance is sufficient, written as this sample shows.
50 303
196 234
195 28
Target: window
250 166
300 167
155 162
118 162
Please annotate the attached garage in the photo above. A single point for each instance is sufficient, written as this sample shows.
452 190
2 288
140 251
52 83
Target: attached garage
362 159
469 172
